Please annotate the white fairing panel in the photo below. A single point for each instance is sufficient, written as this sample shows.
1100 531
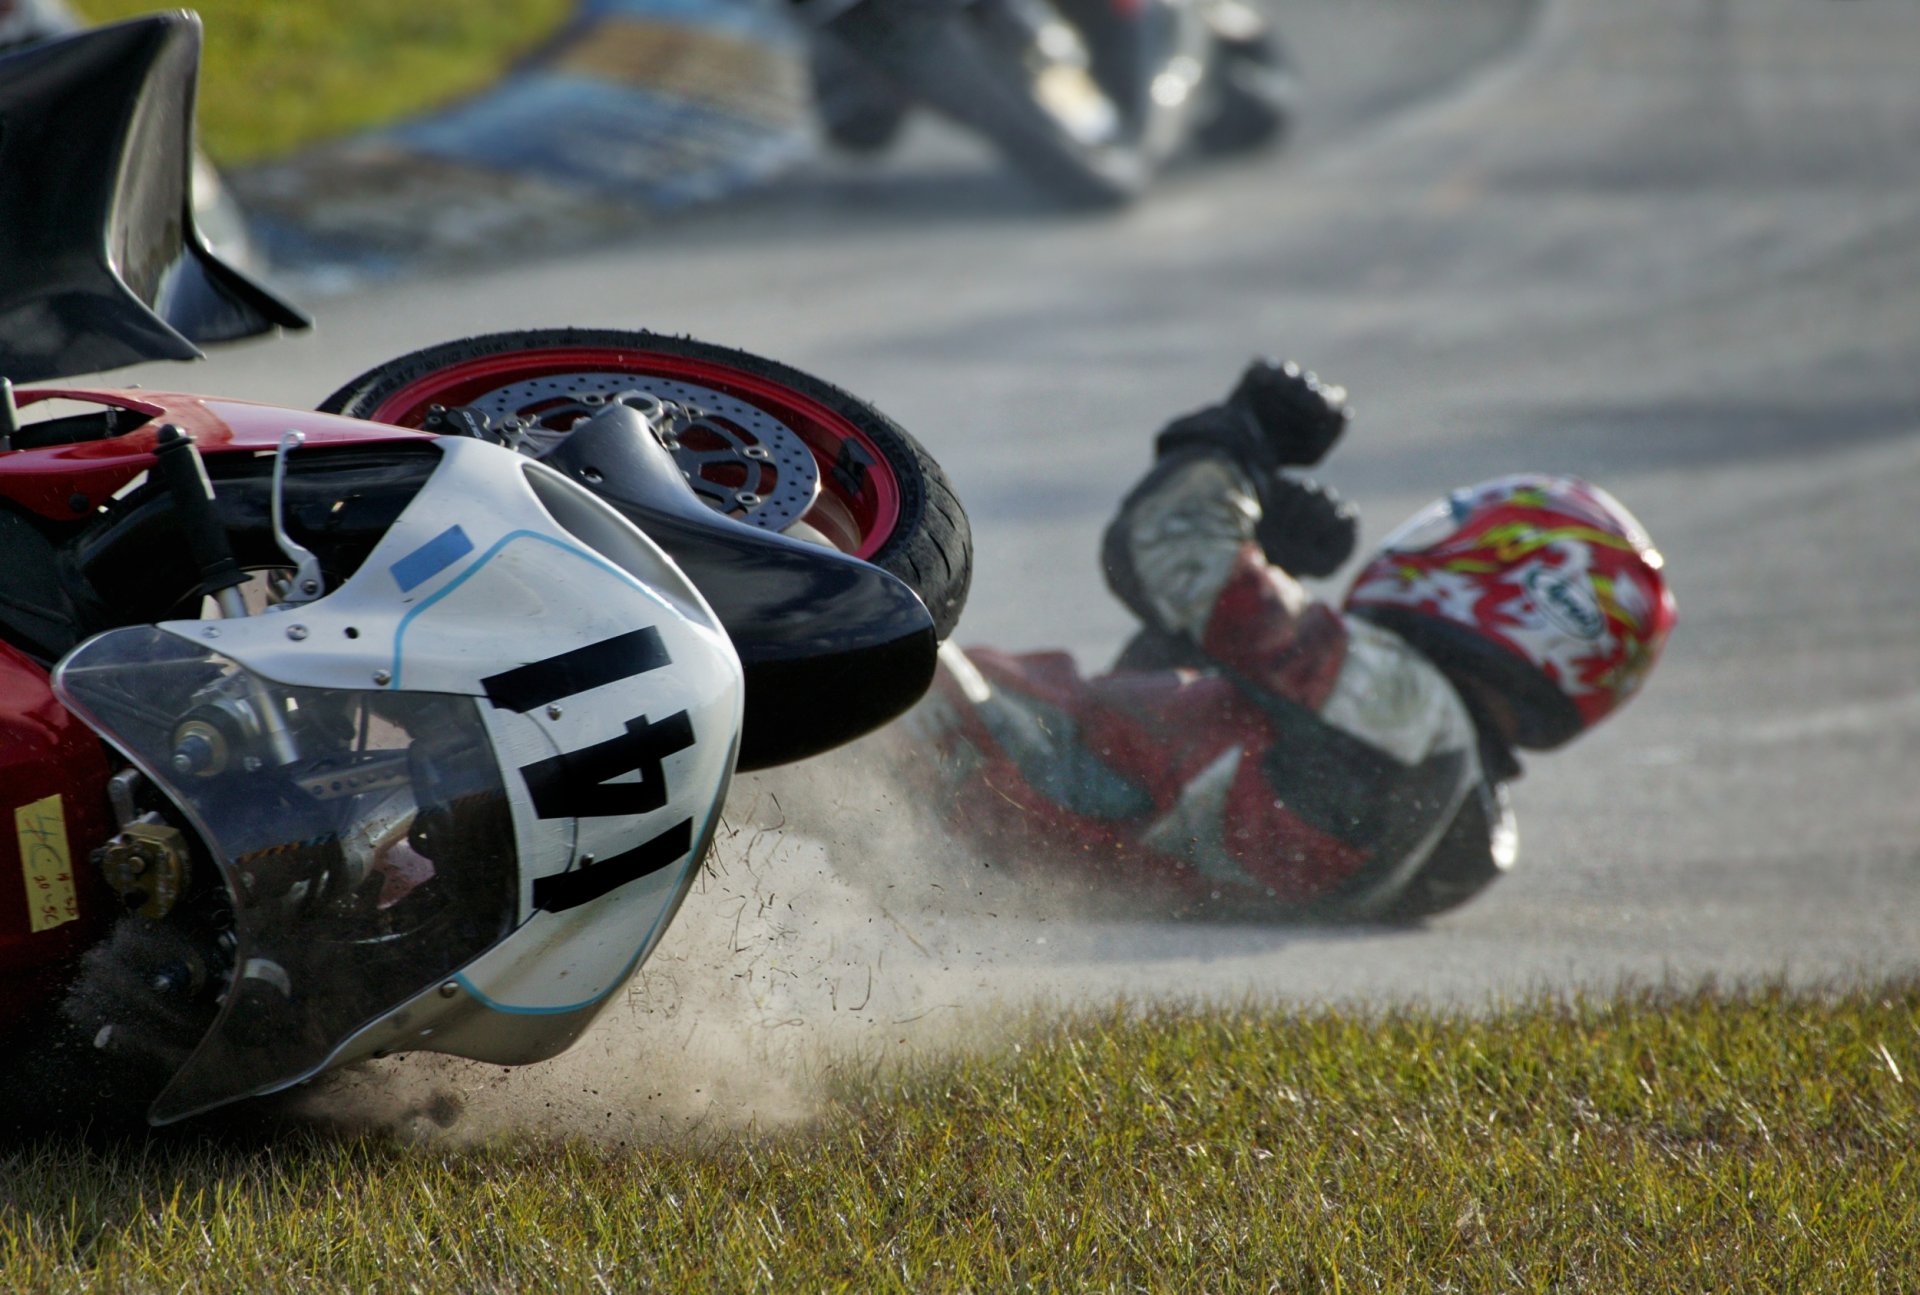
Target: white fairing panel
611 696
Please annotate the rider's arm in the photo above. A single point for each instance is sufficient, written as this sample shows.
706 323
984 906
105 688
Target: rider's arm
1184 555
1202 548
1180 538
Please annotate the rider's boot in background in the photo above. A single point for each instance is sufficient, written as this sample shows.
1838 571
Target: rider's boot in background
860 110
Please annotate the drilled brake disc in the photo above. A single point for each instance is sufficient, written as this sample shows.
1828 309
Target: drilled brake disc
739 459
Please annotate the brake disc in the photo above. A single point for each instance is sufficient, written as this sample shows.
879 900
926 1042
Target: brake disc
738 458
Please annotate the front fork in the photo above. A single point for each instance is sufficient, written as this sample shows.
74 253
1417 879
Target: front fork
149 862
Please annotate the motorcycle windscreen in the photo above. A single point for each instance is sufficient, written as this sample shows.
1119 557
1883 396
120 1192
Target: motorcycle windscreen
360 874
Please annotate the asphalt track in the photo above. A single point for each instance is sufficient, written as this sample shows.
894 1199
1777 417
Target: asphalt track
1673 245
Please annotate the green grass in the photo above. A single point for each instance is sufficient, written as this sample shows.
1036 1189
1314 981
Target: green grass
280 74
1662 1142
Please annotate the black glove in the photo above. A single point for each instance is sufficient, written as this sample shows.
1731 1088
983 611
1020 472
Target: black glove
1305 528
1279 415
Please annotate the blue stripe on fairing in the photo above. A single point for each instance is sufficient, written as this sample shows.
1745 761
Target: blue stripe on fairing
592 559
431 558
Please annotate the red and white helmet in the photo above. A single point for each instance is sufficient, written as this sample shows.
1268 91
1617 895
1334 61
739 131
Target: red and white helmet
1543 588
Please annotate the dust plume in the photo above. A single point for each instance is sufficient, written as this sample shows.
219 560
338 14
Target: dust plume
835 924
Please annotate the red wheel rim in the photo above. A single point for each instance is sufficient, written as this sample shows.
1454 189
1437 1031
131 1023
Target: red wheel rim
871 502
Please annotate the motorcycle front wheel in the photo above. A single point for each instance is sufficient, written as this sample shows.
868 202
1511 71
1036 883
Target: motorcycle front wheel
880 497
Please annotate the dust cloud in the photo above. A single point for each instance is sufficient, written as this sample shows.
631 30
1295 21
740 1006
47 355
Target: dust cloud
836 924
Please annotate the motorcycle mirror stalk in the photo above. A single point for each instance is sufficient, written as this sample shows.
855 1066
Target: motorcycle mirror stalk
178 467
308 584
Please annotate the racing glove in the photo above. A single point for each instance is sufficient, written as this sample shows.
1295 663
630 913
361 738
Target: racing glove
1279 415
1304 527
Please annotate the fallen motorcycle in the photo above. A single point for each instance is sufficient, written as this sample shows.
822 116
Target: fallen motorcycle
402 725
1088 99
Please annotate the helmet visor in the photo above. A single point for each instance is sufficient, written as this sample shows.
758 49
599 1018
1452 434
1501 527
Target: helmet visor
1429 526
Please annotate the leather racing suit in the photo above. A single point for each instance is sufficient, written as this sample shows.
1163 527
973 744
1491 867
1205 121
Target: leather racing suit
1253 753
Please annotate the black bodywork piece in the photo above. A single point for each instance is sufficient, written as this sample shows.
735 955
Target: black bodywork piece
101 264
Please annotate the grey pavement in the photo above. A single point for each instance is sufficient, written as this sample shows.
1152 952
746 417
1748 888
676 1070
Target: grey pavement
1670 244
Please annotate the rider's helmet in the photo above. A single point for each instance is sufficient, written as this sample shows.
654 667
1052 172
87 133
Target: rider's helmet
1543 590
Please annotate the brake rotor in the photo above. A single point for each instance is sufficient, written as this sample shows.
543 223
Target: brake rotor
740 460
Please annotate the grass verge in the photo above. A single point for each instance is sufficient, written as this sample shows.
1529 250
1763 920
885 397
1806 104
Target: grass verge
278 76
1756 1141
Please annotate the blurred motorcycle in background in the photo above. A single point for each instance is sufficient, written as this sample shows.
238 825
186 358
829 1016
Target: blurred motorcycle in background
1087 99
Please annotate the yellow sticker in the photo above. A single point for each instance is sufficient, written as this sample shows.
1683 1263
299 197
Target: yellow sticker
47 863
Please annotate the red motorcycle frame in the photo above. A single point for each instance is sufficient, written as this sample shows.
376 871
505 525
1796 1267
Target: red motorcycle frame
52 765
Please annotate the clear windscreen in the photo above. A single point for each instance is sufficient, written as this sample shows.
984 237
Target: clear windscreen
364 839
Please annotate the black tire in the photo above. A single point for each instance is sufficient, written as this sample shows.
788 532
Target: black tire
926 543
957 67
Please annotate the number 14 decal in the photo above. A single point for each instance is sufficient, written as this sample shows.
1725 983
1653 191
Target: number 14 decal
579 784
575 784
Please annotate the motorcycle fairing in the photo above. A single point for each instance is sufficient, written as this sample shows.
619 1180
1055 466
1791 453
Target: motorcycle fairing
606 695
103 263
